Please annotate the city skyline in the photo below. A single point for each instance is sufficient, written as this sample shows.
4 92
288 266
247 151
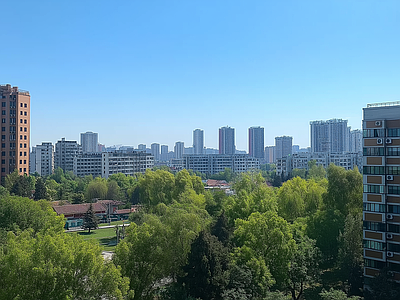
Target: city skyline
275 65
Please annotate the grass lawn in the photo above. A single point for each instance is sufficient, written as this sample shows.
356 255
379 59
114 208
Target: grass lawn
104 236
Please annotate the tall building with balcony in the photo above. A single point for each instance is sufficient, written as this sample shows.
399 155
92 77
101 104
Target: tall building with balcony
381 197
227 140
64 154
198 141
283 146
89 142
256 142
15 130
330 136
41 159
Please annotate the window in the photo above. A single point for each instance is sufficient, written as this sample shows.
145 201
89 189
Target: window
371 188
368 133
393 132
25 114
24 121
20 154
20 137
394 209
24 161
20 145
25 129
20 120
374 245
25 105
394 228
392 151
24 169
3 120
3 112
20 169
20 161
395 190
3 104
393 170
374 207
24 137
3 129
374 264
20 129
377 151
393 247
3 153
3 145
21 105
21 113
24 145
3 169
3 161
24 153
3 137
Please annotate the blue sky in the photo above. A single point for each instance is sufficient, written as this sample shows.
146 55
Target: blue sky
153 71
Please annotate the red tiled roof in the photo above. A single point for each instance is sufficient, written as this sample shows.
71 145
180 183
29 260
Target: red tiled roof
213 182
72 209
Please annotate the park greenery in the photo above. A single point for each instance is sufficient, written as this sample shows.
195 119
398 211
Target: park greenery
299 239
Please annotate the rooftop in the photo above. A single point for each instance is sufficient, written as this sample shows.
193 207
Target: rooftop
393 103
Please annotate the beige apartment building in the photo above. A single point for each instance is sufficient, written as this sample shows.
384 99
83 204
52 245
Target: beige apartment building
15 130
381 216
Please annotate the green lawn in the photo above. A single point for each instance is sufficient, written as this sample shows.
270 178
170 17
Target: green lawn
104 236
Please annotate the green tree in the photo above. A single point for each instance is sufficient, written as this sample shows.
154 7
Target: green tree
157 187
350 258
40 189
206 271
96 189
113 190
266 238
299 173
337 295
57 266
90 220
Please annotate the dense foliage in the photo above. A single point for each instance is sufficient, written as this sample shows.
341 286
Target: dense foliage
299 240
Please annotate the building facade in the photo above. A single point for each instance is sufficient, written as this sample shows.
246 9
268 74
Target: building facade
198 141
215 163
64 154
88 164
256 142
283 146
15 130
179 149
164 153
381 198
356 141
41 159
287 164
155 151
125 162
227 140
89 142
331 136
269 154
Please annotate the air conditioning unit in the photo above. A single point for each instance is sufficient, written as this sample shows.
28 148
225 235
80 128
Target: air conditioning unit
389 177
378 123
388 141
389 216
379 141
389 236
389 254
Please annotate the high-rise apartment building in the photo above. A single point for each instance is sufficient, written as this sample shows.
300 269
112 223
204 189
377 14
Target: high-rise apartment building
142 147
381 198
155 151
269 154
256 142
283 146
198 141
179 149
15 130
331 136
227 140
356 141
89 142
64 154
41 159
164 153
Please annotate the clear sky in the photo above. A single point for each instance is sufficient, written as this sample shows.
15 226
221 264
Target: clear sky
153 71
